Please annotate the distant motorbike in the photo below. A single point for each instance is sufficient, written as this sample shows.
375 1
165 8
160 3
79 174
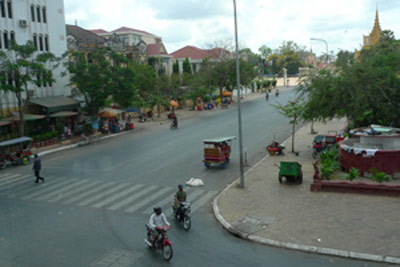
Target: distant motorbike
182 215
162 241
142 117
174 124
275 149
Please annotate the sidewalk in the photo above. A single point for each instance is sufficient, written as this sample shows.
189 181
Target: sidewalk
291 216
182 114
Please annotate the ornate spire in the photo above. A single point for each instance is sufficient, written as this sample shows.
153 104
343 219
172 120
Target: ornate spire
375 34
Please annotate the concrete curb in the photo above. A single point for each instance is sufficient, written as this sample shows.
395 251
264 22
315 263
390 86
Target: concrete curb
303 248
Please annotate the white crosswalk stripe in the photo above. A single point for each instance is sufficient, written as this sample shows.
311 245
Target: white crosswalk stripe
29 187
73 192
4 175
87 193
44 188
132 198
18 185
102 194
165 201
147 200
117 196
9 179
203 200
190 198
63 189
13 180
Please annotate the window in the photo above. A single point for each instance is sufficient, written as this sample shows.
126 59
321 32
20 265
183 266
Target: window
44 15
5 38
46 43
38 82
12 36
35 40
44 79
9 9
33 12
41 42
10 78
1 45
49 79
38 13
2 9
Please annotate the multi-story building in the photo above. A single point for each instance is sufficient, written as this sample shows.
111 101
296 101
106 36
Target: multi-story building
43 23
196 56
142 44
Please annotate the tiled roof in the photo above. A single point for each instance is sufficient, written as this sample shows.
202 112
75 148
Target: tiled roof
84 36
126 29
156 49
97 31
195 53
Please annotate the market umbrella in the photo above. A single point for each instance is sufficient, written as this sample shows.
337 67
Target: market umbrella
226 93
109 113
174 103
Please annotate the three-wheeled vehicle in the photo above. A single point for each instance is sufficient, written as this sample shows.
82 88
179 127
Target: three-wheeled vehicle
15 152
217 150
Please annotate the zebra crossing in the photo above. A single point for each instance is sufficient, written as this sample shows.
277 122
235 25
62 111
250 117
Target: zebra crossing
119 197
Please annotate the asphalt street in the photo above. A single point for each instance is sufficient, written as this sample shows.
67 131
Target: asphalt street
96 199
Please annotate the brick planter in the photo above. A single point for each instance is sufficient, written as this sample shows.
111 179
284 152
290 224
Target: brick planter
352 187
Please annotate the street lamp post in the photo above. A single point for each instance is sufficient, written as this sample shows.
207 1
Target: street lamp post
238 100
326 45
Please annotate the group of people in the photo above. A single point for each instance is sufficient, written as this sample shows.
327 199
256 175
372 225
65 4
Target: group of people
158 218
267 94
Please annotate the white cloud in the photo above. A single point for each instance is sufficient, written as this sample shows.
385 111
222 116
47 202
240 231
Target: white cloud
198 22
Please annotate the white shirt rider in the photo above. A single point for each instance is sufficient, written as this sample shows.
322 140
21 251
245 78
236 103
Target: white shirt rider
158 220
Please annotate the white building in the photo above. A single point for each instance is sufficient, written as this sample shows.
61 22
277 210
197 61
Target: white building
40 21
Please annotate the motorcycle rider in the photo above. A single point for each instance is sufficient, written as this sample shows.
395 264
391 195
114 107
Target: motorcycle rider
180 196
157 219
175 122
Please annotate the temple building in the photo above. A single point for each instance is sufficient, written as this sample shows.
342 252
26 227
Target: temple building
373 38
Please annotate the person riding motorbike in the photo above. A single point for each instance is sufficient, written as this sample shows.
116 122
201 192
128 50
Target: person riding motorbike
277 92
180 196
157 219
175 122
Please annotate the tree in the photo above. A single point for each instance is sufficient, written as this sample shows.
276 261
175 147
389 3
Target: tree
175 67
344 58
367 92
186 66
92 75
292 110
20 68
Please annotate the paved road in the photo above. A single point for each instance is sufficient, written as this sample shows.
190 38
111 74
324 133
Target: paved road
96 199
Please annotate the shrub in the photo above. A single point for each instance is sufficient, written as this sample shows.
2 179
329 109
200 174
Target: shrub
274 82
353 174
379 176
329 162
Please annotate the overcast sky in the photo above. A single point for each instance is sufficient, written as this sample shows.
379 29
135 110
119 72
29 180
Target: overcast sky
261 22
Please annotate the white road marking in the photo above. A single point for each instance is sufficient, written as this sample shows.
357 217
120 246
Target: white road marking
190 198
148 200
87 193
203 200
119 195
14 180
131 198
9 178
72 192
102 194
46 188
63 189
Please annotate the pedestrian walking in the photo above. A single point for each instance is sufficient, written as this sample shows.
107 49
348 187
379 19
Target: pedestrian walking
37 166
266 96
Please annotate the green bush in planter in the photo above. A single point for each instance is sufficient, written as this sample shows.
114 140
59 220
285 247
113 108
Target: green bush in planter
379 177
274 82
353 174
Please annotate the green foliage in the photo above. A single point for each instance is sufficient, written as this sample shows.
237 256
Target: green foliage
186 66
175 67
329 162
267 83
366 92
379 177
289 55
352 174
344 59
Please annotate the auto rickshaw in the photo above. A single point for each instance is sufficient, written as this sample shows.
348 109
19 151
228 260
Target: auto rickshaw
15 152
217 150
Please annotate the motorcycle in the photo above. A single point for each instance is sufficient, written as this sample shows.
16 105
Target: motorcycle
182 214
275 149
142 117
162 241
174 124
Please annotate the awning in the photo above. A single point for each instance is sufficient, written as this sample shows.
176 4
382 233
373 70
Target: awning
15 141
56 103
63 114
27 117
4 123
110 112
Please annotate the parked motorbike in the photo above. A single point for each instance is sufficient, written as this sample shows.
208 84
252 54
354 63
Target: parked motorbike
182 215
142 117
162 241
275 149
